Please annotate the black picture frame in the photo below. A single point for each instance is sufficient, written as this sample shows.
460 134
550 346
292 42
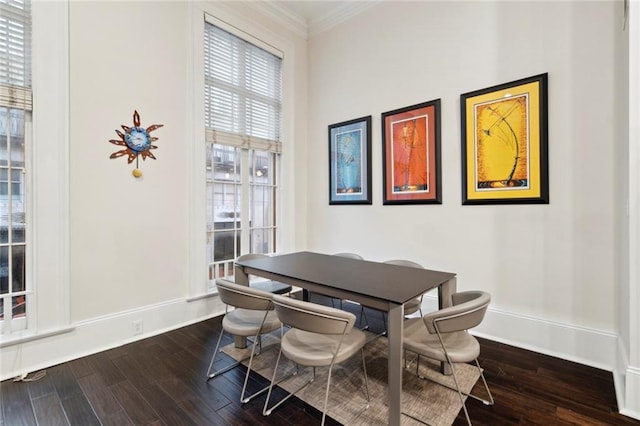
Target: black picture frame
411 155
350 162
504 151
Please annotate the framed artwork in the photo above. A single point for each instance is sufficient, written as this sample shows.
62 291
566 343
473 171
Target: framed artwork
411 154
350 162
504 143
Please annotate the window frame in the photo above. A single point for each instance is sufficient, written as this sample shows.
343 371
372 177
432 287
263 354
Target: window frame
47 179
239 89
241 24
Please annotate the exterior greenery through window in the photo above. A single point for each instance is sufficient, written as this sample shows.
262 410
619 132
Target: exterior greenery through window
242 118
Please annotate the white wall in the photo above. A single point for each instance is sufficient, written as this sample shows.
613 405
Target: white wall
130 244
125 57
550 268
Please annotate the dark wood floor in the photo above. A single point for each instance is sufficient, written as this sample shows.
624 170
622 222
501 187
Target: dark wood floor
160 381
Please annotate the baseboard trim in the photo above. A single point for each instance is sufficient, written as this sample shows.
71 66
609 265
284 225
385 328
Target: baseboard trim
630 405
586 346
99 334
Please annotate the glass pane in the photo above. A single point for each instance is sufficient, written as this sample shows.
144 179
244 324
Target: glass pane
17 207
260 206
4 153
4 206
226 205
262 240
210 205
16 125
19 306
224 245
226 163
261 164
17 268
209 247
17 151
4 177
4 270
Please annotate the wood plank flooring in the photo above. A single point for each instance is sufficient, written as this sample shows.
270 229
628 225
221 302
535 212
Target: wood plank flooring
160 381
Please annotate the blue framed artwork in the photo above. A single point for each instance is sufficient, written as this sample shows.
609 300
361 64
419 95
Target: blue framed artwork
350 162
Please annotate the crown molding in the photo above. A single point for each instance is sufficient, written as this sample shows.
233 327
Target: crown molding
307 29
283 16
339 14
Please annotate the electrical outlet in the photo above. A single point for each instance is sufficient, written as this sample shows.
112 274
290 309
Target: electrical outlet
137 327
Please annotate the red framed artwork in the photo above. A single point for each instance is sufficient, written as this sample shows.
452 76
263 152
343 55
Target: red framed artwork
411 154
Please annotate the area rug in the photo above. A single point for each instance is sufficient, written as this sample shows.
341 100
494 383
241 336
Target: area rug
424 400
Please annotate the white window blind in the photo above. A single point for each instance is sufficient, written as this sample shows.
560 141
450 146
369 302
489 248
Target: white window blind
15 54
243 88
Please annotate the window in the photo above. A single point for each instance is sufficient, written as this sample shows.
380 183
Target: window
242 119
15 117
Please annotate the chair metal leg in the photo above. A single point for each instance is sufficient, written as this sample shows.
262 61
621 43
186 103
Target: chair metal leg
246 376
211 375
457 388
455 379
366 377
485 402
267 411
326 395
363 316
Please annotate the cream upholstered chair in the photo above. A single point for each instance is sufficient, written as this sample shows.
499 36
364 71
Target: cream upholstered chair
349 256
442 335
253 316
266 285
414 305
319 336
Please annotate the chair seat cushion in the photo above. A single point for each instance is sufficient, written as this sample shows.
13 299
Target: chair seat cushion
315 350
246 322
271 287
461 346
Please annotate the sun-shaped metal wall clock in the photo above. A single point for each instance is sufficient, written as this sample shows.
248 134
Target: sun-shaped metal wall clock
137 141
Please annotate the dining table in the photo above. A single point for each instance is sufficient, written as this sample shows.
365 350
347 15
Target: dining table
378 285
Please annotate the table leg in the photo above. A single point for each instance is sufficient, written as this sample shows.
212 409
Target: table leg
241 278
395 319
445 291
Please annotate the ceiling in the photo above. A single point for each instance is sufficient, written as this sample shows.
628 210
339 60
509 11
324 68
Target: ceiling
311 10
310 17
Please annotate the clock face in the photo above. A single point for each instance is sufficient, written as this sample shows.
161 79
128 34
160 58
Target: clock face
137 139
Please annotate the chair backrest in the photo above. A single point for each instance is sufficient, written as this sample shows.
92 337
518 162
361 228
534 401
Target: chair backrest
244 297
402 262
467 312
251 256
349 255
312 317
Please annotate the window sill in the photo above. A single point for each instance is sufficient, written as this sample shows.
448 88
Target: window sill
19 338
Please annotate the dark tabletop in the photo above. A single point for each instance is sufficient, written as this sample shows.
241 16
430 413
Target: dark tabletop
393 283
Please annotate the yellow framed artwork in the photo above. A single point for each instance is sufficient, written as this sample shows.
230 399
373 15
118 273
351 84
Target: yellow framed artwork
504 143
